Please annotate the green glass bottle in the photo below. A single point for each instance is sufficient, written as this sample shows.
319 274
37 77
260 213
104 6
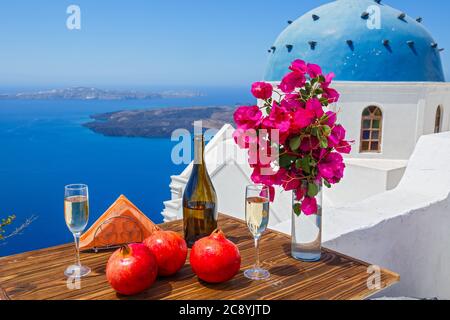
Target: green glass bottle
199 199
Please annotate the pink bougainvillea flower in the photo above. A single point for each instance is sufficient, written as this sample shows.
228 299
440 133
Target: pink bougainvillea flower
337 135
290 117
309 143
291 183
292 96
277 119
278 137
332 167
245 138
249 117
256 176
262 175
331 119
291 81
328 79
267 176
309 206
320 154
302 118
315 106
280 176
273 134
262 90
291 102
299 66
337 140
314 70
331 94
300 193
344 147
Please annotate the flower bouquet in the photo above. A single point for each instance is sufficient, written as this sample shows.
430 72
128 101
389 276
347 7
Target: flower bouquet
294 141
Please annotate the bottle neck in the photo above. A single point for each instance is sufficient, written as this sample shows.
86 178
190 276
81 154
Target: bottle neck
199 149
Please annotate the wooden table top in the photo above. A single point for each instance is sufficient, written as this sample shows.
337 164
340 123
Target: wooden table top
38 275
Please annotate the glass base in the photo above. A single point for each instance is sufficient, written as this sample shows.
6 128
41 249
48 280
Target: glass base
307 256
257 274
75 271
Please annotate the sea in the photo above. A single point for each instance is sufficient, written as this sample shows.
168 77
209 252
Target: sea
44 146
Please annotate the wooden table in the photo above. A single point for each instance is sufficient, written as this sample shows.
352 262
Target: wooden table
39 275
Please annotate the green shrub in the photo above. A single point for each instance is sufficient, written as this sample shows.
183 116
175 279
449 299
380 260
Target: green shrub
5 222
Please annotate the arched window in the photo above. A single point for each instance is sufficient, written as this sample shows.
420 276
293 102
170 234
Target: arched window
371 130
438 120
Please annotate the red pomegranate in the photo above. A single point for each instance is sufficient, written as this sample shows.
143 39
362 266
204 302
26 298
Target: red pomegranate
170 251
215 259
132 269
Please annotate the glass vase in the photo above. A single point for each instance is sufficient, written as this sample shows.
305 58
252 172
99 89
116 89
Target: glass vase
307 231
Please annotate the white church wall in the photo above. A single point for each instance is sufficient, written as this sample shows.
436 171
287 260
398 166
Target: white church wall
398 135
409 110
446 119
436 97
397 101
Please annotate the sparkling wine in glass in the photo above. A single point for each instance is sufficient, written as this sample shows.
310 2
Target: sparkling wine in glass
257 205
76 214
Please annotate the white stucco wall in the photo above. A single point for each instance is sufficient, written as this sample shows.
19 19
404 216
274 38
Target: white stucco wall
399 118
414 244
409 111
365 178
437 96
407 229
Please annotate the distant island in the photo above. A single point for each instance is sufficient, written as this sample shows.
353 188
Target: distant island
153 123
84 93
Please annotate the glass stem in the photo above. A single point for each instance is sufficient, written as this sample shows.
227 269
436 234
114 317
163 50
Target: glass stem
76 237
257 266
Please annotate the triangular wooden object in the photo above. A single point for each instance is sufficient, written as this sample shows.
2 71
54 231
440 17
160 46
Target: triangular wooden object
122 223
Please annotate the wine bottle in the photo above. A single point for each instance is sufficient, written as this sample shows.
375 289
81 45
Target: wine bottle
199 199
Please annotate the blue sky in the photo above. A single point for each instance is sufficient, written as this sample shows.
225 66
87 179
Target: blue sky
138 43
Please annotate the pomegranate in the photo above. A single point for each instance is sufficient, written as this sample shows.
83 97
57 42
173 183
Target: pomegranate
169 249
132 269
215 259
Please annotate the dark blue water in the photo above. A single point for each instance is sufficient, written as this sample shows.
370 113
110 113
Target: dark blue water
43 146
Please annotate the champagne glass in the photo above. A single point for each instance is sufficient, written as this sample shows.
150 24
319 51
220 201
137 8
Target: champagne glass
76 213
257 202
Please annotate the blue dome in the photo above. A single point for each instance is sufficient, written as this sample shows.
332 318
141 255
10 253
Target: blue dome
337 37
